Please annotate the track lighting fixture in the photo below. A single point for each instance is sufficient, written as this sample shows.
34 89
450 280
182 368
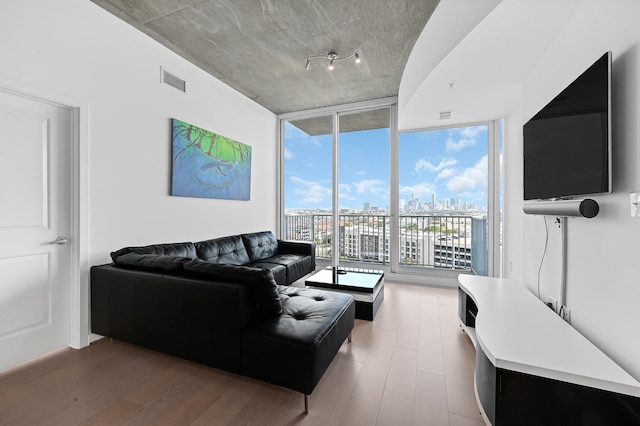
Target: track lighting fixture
331 57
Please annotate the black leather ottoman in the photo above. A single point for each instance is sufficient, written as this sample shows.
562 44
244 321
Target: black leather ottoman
311 329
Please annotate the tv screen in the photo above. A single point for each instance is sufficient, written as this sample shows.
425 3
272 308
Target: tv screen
567 145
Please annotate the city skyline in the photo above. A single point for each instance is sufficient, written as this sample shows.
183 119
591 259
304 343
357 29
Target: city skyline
438 165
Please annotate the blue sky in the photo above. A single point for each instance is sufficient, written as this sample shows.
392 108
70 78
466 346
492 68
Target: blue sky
452 163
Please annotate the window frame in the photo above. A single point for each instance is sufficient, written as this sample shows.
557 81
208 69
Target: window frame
435 276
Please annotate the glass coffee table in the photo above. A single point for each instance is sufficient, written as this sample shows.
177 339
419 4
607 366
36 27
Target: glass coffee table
365 285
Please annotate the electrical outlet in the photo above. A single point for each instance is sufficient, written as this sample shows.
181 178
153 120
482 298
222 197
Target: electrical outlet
634 198
552 303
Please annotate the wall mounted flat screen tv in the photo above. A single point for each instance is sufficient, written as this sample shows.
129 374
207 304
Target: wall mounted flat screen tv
567 144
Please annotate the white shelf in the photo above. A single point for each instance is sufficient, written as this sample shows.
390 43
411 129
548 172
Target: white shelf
470 331
517 332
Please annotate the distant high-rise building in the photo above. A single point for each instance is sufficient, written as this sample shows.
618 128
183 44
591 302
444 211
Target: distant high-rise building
414 204
367 207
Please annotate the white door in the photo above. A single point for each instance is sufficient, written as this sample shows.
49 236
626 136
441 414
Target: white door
35 191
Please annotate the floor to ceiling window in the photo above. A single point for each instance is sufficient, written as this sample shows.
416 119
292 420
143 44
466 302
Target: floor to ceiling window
335 182
423 202
308 181
363 182
446 182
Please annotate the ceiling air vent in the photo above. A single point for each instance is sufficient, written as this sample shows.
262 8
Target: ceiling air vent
173 80
444 115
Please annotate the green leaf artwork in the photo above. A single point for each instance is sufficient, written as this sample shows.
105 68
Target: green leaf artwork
209 165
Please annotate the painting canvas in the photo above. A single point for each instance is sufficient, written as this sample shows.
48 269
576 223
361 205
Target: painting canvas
209 165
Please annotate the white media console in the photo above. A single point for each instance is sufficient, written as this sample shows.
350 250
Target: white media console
534 368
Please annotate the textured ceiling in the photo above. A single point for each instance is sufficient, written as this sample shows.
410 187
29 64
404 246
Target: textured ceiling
259 47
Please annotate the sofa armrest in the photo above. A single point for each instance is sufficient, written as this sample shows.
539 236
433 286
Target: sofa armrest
307 248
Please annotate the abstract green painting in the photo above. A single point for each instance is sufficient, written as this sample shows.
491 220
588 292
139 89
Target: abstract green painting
209 165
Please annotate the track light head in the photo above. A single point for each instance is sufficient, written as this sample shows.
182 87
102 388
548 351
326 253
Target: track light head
331 57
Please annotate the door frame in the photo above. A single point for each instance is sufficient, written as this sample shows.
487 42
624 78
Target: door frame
79 126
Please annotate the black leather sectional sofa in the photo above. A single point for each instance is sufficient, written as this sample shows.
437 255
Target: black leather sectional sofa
220 302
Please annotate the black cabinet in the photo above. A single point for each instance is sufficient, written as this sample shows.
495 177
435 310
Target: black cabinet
467 309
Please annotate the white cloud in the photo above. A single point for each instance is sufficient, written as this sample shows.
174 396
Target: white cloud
312 141
346 197
423 164
293 133
375 191
344 187
288 154
447 173
457 145
470 179
372 186
471 132
462 138
311 192
420 190
344 194
361 173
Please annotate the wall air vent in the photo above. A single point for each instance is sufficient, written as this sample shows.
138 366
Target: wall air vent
172 80
444 115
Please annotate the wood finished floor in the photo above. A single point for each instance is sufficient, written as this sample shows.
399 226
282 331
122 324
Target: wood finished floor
411 366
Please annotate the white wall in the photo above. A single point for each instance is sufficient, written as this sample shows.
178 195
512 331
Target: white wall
480 78
427 55
78 50
603 288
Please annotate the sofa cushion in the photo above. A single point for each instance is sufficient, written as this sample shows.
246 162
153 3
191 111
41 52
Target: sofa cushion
297 265
294 349
279 271
260 245
260 282
224 250
176 249
155 262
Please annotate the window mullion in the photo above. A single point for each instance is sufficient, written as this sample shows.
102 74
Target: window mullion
335 241
394 191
